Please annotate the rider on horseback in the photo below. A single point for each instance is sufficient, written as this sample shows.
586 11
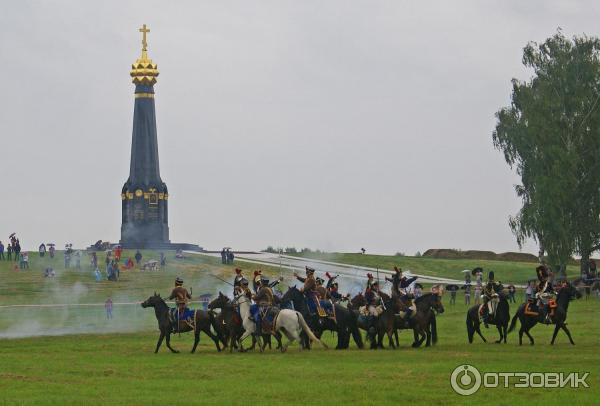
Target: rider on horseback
323 297
545 291
332 288
308 289
263 302
181 296
400 285
490 298
238 279
242 289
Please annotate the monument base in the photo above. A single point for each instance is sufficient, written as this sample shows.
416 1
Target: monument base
159 246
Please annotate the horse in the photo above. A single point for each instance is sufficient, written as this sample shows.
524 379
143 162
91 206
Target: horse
500 320
344 325
202 322
288 321
363 323
230 319
424 323
564 296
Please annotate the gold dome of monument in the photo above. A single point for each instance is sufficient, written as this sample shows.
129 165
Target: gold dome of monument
144 71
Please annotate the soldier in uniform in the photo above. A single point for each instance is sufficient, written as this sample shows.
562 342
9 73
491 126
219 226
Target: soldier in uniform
400 285
243 289
490 298
309 289
238 279
256 280
263 300
332 288
181 296
545 290
373 300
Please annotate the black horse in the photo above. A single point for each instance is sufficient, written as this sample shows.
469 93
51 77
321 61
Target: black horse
565 294
344 326
500 320
202 322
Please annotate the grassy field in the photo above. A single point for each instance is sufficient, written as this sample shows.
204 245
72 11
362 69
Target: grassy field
505 271
105 367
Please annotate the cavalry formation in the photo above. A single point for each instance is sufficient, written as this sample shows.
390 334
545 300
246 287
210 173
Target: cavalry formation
303 314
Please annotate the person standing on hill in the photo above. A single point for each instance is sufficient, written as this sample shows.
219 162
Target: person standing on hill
108 305
17 250
42 250
138 257
1 251
9 250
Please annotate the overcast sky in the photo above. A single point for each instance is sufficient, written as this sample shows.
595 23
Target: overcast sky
329 124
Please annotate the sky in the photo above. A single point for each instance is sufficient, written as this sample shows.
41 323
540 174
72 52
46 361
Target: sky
334 125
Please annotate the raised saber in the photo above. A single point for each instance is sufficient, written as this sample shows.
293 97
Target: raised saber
222 280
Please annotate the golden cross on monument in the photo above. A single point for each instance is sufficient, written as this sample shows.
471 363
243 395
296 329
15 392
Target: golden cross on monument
144 30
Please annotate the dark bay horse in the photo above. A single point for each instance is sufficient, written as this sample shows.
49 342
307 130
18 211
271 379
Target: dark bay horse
229 320
202 322
363 323
500 320
424 323
564 296
344 326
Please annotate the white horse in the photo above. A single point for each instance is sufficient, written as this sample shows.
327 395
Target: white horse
290 322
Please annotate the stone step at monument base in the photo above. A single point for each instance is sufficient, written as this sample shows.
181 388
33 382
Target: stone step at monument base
160 246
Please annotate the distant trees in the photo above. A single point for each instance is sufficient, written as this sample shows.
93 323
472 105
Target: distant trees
550 134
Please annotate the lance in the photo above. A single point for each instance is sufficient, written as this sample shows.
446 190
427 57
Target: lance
222 280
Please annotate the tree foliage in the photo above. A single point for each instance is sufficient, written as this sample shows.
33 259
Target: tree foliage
550 134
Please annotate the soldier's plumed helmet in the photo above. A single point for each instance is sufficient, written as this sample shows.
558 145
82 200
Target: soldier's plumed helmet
178 281
238 270
264 281
320 280
309 271
244 282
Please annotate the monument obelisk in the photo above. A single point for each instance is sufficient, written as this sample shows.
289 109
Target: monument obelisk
145 196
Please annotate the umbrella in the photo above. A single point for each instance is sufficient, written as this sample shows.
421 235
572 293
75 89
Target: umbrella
466 271
452 287
50 244
476 270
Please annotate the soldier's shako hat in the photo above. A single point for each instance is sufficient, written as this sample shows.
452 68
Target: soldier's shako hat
178 281
310 270
319 280
264 281
238 270
244 281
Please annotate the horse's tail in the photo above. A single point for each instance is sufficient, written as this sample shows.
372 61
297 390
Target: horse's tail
470 326
513 322
433 325
308 331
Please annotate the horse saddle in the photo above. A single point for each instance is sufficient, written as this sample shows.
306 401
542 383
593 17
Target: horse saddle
413 309
326 309
268 316
187 314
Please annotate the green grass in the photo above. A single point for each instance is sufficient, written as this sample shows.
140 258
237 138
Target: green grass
115 368
505 271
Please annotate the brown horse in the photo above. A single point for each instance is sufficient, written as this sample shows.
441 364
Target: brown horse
202 322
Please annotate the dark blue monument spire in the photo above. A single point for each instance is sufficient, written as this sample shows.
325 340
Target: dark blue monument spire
144 222
144 196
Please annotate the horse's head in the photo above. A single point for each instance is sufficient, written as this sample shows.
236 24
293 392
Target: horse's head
152 301
358 300
570 291
219 302
430 301
291 294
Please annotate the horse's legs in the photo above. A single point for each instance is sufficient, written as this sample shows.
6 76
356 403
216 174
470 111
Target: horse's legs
160 340
196 339
530 337
556 328
504 330
396 337
566 330
168 339
212 336
499 327
478 331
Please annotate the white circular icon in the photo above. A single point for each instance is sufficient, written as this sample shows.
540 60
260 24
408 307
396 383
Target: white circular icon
465 380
